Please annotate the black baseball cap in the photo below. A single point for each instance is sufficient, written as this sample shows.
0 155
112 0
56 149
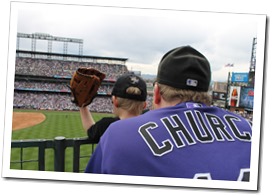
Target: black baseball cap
185 68
130 80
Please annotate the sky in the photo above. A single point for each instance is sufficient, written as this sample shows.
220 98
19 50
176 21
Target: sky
144 35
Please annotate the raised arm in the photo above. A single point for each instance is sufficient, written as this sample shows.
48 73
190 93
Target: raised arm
86 118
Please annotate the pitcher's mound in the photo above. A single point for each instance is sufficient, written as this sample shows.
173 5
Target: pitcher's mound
22 120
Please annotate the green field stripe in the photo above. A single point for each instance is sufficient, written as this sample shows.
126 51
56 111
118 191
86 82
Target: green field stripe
57 123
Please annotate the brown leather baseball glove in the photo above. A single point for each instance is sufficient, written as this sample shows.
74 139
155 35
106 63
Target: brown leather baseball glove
84 85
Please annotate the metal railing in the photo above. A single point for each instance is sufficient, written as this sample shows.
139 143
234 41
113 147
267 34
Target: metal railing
59 145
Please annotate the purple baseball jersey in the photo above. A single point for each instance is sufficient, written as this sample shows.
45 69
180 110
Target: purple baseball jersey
189 140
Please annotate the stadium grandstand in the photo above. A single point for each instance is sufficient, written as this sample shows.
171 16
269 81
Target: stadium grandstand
42 78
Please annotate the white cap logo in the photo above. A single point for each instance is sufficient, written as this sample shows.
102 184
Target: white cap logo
191 82
134 80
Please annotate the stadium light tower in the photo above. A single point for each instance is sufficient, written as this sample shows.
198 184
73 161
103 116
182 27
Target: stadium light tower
253 56
43 36
251 78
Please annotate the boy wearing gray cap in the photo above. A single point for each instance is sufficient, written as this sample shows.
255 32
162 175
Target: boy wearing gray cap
183 137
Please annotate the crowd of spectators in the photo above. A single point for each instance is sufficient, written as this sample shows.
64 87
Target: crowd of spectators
59 101
56 101
61 68
53 86
54 94
245 114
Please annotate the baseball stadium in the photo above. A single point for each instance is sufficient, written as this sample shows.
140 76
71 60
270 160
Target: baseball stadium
47 133
44 117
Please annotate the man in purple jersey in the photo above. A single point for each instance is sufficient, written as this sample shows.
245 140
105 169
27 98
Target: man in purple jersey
183 137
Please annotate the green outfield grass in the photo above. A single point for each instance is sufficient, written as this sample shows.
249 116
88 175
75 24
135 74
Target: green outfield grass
57 123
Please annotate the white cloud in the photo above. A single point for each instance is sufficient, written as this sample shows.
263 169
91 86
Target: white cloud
143 36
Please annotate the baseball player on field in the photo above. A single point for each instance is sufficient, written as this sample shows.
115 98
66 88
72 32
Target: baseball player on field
184 136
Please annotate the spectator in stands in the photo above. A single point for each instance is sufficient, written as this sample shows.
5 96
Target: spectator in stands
183 137
128 98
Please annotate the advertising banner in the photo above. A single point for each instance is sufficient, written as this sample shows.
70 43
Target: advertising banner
219 96
234 96
239 77
247 97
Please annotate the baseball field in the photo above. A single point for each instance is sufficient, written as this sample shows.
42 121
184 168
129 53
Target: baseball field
44 124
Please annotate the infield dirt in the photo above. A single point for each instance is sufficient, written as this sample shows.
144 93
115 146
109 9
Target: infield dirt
22 120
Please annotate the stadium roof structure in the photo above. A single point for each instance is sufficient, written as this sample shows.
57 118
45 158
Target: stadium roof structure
44 36
33 53
70 57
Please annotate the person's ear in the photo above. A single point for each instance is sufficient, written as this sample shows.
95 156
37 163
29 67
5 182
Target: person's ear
114 101
157 95
144 105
